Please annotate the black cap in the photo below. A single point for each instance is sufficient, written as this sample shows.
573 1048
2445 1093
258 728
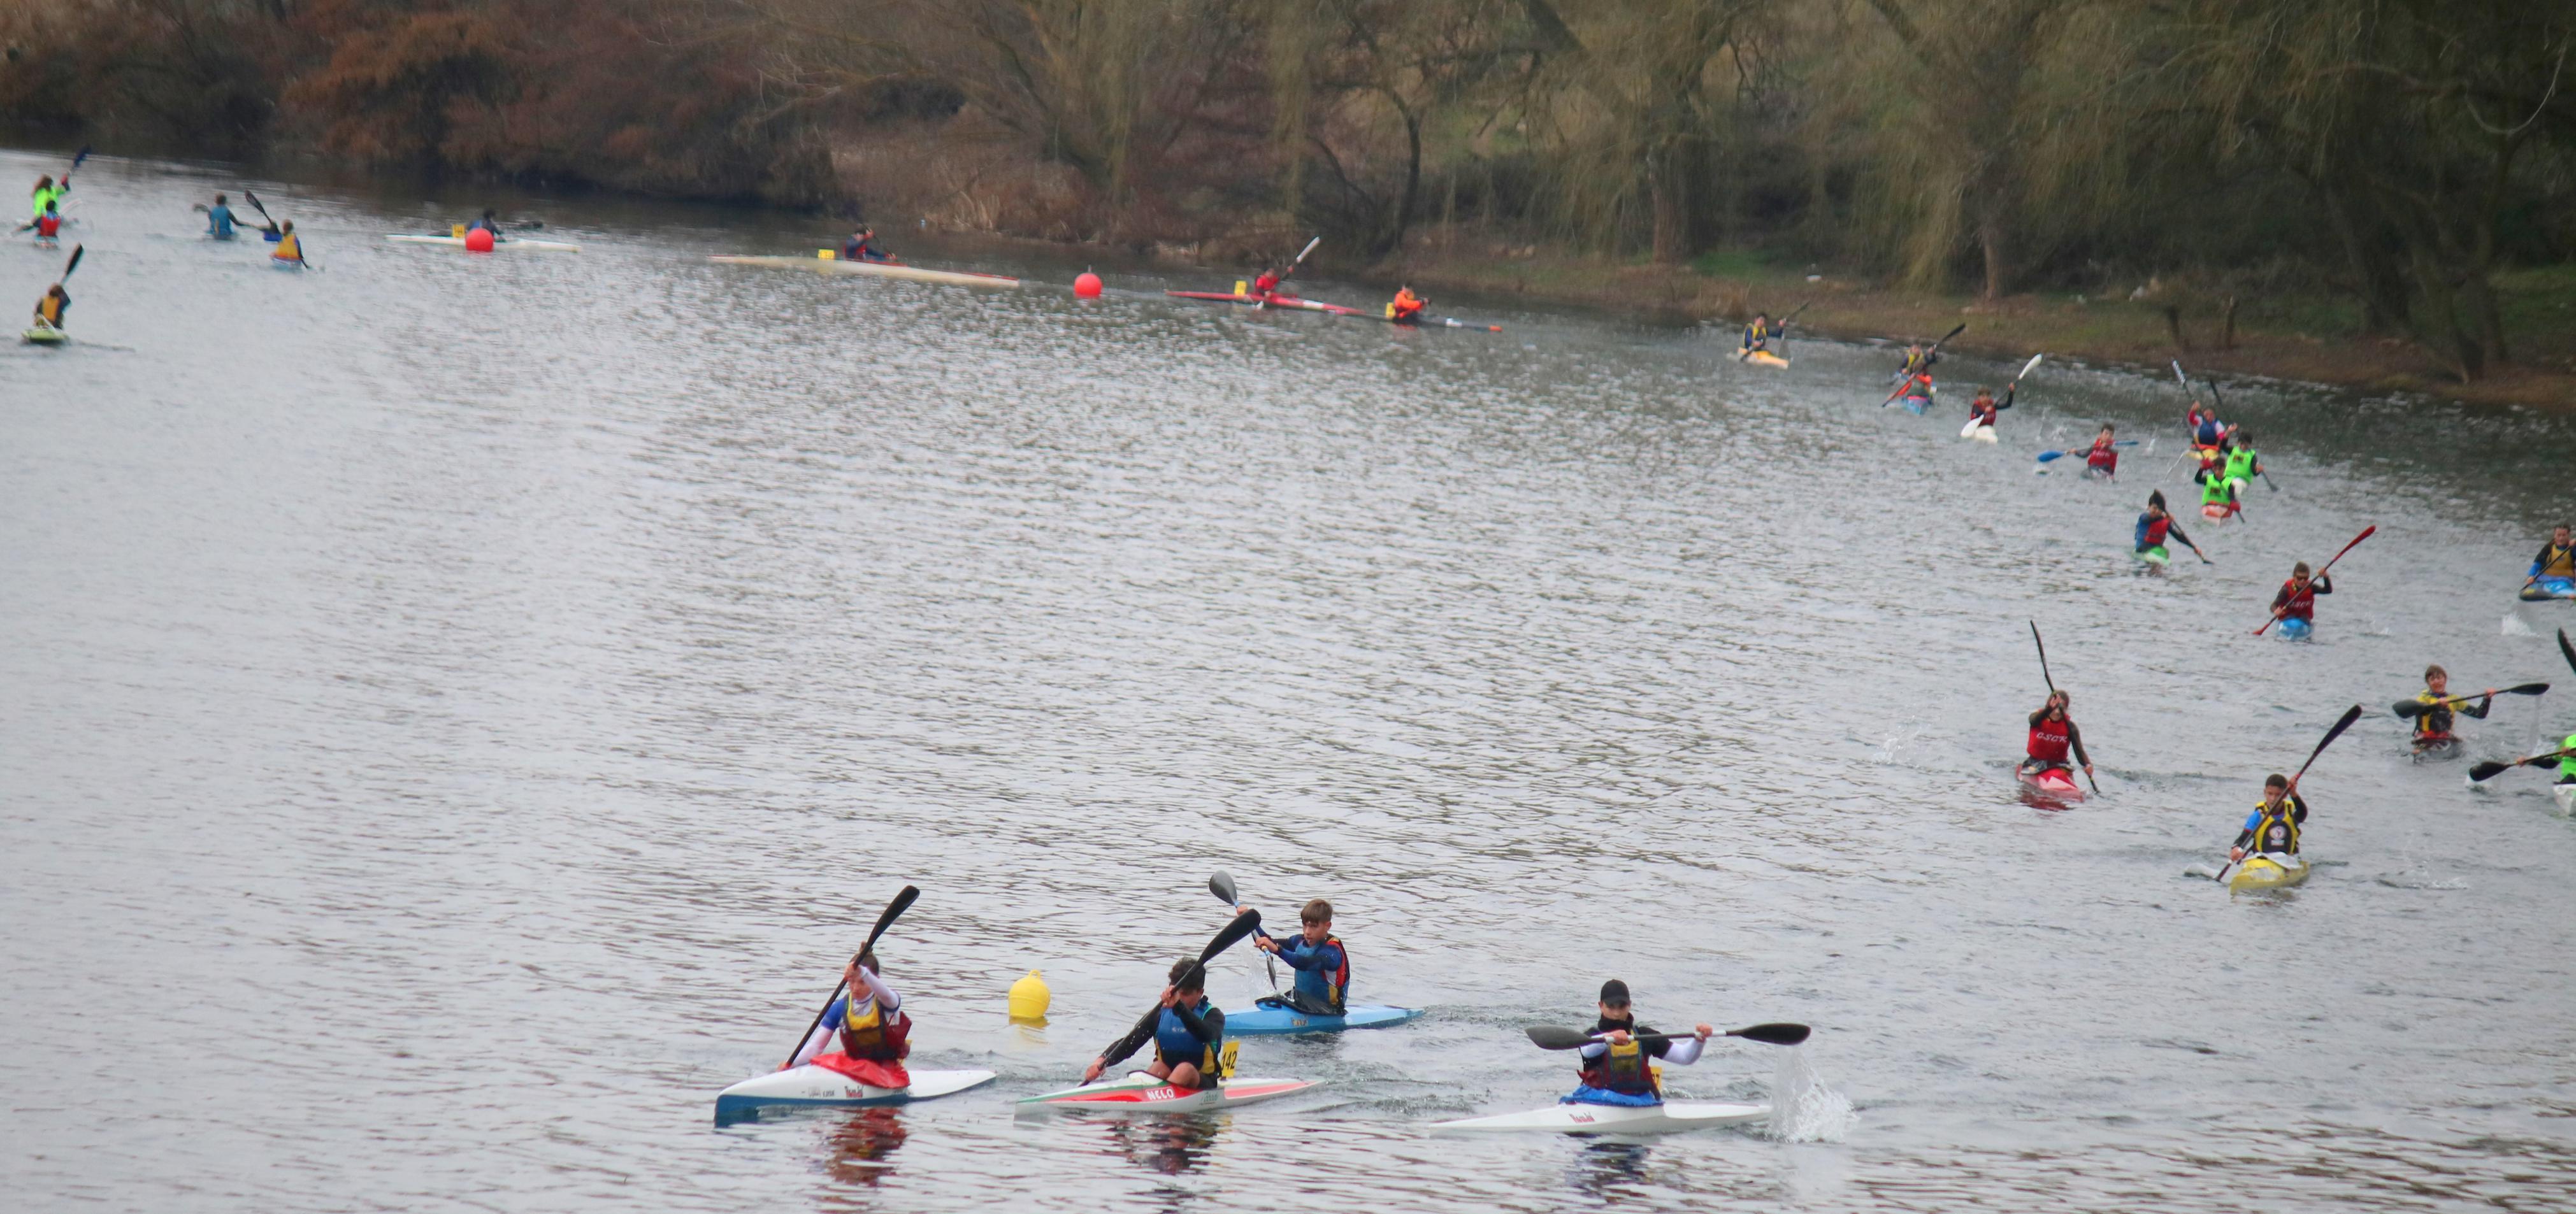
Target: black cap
1614 993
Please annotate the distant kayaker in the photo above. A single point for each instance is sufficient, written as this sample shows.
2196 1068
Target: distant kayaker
290 247
1983 409
2433 723
2557 559
2217 493
2273 828
2155 525
219 218
1619 1069
1757 336
1917 360
47 223
868 1023
2243 465
486 223
2297 598
2052 735
1406 308
2206 429
47 195
1914 387
862 246
1266 283
53 306
1323 966
1187 1031
2103 458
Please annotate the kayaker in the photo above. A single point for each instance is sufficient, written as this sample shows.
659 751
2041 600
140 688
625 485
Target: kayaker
2567 761
1187 1030
486 223
2155 525
1757 336
48 224
1266 283
2243 465
47 195
1407 308
2103 459
1620 1069
2217 493
1917 360
290 247
2206 429
862 246
2433 724
219 218
2052 735
2556 560
1323 966
1983 409
2297 598
53 306
874 1029
1917 386
2273 828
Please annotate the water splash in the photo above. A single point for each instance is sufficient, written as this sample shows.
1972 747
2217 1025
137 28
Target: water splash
2514 627
1897 742
1803 1109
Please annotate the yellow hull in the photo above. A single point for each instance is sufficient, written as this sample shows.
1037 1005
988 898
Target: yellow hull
2259 872
1765 358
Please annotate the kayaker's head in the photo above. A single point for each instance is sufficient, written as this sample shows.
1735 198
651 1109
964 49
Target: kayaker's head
286 225
2244 438
220 200
1985 394
2057 704
1762 318
487 213
45 182
2275 787
1189 979
2437 680
2156 501
1614 1002
864 960
2559 537
2299 572
1316 920
2105 436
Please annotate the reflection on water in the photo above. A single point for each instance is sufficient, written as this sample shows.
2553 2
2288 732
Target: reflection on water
1168 1146
859 1150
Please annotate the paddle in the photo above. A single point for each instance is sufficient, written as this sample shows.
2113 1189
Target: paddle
2417 708
1223 887
2276 614
2482 772
2350 715
2046 456
2052 686
1904 379
903 901
2563 646
1243 925
1300 259
70 266
1549 1038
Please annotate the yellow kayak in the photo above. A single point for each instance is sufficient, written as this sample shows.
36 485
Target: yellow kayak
2263 872
1765 358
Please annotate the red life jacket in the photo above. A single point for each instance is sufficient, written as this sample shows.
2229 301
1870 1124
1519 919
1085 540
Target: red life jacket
49 225
2103 456
1267 283
2156 528
877 1036
1983 411
2302 604
2048 740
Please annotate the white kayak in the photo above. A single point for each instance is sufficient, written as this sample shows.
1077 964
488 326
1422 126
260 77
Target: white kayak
506 242
878 269
2566 794
1671 1117
823 1088
1142 1093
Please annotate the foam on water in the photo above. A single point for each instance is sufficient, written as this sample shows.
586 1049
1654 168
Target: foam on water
1803 1108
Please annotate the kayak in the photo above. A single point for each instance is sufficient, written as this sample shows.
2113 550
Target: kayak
1764 358
2297 630
2054 783
1916 404
1275 301
2550 588
284 263
817 1087
1984 434
2263 872
1269 1019
44 335
1978 429
2566 794
2156 556
506 242
2435 750
1672 1117
876 269
1142 1093
2215 511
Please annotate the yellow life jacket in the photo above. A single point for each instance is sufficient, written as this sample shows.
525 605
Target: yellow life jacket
290 247
875 1036
2558 562
2433 722
50 309
2276 831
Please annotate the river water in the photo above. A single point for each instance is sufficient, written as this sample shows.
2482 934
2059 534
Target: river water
457 711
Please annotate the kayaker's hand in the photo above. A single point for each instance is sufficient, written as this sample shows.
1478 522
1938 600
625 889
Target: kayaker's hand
2235 854
1171 996
1705 1032
1265 944
2088 770
1616 1037
1092 1072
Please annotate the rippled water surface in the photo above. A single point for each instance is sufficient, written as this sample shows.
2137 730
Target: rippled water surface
456 712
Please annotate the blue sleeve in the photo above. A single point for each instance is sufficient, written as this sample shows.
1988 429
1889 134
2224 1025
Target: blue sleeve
1303 956
835 1014
2253 819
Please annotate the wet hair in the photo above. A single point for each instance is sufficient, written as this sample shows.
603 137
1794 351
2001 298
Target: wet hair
1317 911
2062 698
2431 671
2156 498
1189 974
2276 780
1614 993
2108 428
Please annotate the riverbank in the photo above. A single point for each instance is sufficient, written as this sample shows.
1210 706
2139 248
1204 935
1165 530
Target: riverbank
2315 338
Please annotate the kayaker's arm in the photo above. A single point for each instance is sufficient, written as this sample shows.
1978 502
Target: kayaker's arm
2322 584
2176 532
1303 956
2298 809
885 995
1125 1047
2479 710
2006 402
2075 742
1209 1028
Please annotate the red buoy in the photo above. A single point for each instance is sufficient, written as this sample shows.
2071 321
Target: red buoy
479 241
1086 285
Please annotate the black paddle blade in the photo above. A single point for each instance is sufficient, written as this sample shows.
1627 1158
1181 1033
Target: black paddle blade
894 910
1773 1034
74 263
1549 1038
2565 648
1244 925
2527 689
2409 708
2043 650
2483 772
1223 887
2350 715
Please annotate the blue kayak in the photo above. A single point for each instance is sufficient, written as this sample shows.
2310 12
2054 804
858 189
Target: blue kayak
1269 1019
2550 588
1916 404
2297 629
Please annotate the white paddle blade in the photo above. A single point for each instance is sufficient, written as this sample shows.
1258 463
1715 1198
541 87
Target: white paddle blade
2028 367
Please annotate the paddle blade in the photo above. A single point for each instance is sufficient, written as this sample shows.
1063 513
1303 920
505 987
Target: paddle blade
1223 887
1244 925
2483 772
2350 715
2186 384
1547 1038
2046 456
74 263
1773 1034
894 910
2565 648
2028 367
1963 327
2527 689
2408 708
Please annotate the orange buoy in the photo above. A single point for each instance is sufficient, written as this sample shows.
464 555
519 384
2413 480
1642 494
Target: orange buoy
479 241
1086 285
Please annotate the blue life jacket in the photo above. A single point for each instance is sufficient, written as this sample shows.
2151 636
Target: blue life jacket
1174 1044
1322 986
219 223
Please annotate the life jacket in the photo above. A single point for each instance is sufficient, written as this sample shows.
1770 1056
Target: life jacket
50 308
1626 1069
49 224
875 1035
2435 722
1407 305
2240 464
2048 740
1325 989
1267 283
1174 1044
2103 456
42 198
2567 766
1756 335
2556 562
2217 490
290 247
2302 601
2207 430
1983 410
2151 530
1919 384
2276 830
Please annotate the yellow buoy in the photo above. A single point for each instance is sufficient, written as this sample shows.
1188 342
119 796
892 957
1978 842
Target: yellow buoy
1030 997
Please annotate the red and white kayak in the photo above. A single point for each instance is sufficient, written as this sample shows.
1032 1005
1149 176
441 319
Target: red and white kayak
812 1086
2055 784
1275 301
1678 1117
1142 1093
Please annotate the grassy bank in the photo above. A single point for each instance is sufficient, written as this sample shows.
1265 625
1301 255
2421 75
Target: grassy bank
2313 338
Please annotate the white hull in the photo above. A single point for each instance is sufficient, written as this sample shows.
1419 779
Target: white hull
1669 1118
2566 794
505 243
820 1087
873 269
1142 1093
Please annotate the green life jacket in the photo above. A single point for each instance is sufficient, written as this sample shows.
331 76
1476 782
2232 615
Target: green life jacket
2567 766
2215 492
2240 463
